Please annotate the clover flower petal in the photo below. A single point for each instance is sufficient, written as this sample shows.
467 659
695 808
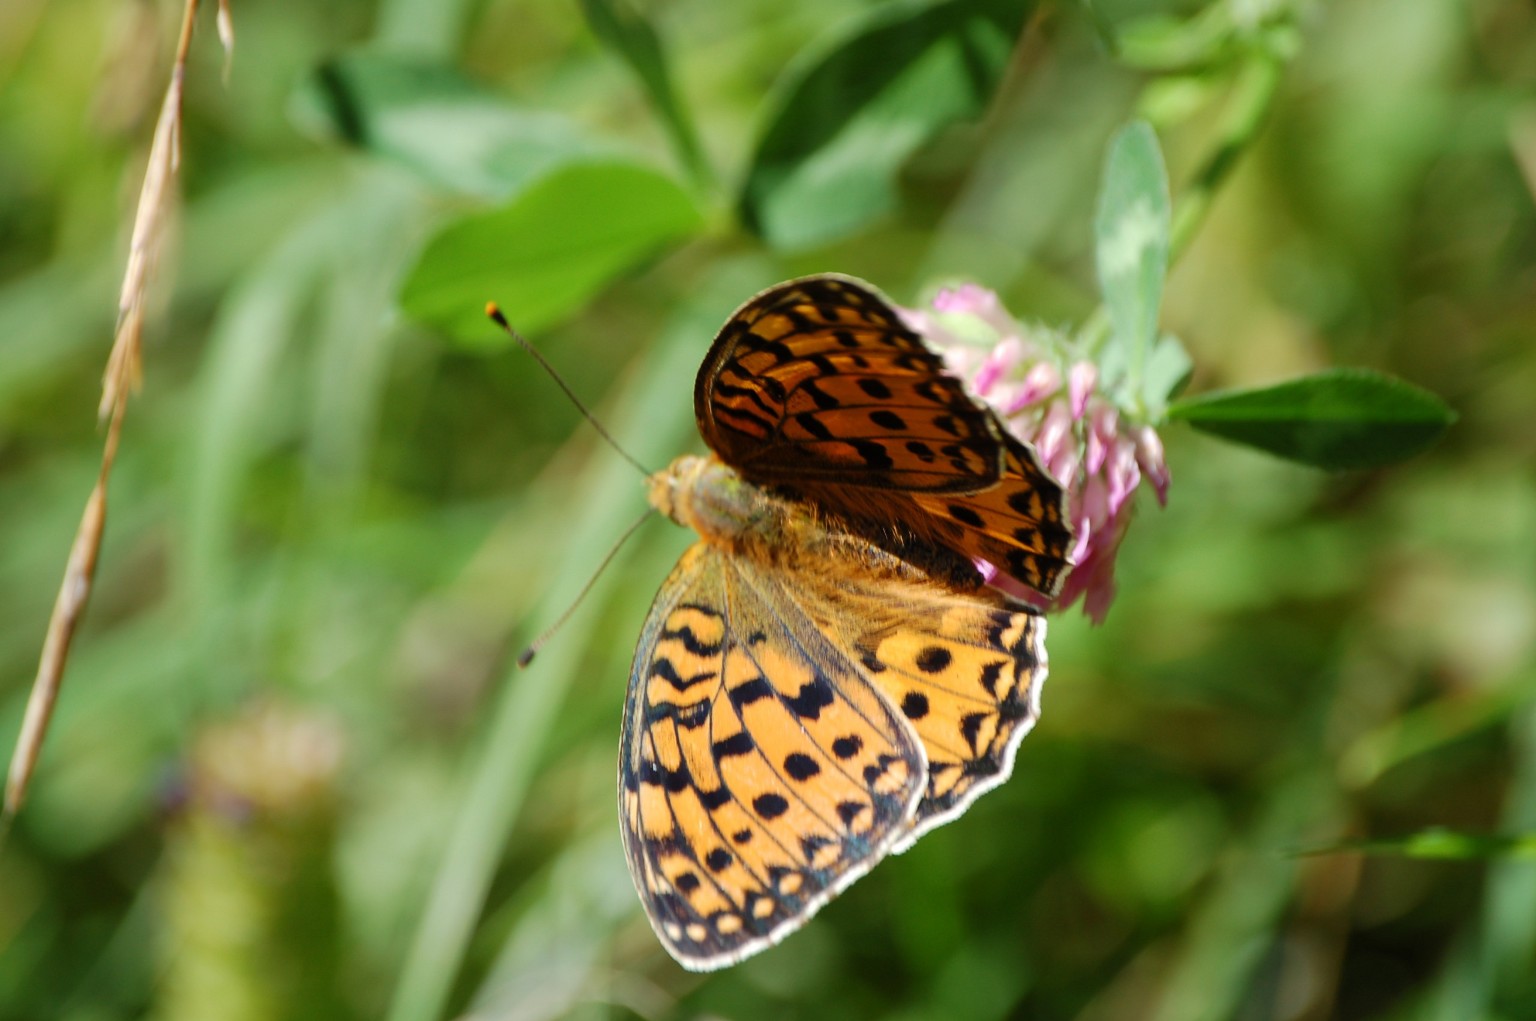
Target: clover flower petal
1051 397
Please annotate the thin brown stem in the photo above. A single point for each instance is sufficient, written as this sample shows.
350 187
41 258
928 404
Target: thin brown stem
119 380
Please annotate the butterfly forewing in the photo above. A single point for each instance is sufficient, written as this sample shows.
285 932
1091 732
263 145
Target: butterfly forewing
820 379
818 387
1018 525
760 772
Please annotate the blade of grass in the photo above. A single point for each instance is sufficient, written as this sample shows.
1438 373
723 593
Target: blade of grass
1509 902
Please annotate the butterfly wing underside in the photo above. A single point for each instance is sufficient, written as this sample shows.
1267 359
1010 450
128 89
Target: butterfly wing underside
779 740
818 387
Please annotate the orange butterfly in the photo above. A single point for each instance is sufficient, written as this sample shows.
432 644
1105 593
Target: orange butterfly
824 677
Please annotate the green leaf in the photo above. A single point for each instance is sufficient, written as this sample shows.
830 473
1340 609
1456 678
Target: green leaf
548 251
1131 235
848 117
626 31
1443 844
1339 419
439 124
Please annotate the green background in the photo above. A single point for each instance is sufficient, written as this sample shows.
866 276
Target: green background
294 772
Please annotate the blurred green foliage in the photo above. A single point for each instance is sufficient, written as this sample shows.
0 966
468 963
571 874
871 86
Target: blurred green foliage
330 524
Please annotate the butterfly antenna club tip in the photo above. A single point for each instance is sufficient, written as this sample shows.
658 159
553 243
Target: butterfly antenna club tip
493 312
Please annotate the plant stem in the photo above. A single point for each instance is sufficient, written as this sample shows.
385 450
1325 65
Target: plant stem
1252 95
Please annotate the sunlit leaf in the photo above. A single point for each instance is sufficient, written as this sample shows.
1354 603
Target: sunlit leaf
548 251
851 114
1131 240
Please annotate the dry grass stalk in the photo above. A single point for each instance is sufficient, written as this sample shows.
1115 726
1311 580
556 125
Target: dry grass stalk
121 377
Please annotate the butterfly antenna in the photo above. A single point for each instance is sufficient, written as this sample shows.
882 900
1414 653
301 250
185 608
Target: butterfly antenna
526 656
494 312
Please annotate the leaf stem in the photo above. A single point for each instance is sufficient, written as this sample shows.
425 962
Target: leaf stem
1252 95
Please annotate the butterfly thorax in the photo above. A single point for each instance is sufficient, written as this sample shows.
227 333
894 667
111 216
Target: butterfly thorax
748 520
710 497
758 523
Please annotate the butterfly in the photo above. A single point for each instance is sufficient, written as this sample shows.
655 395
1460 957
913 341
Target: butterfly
824 677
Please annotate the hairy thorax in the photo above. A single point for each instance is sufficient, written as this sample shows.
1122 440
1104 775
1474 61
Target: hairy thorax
747 520
704 494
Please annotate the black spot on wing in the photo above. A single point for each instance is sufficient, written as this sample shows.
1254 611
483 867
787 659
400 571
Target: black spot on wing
717 798
965 515
800 766
914 705
989 676
737 744
812 699
874 388
970 729
873 454
824 401
871 664
770 806
748 692
1019 501
653 773
934 659
689 717
663 668
814 426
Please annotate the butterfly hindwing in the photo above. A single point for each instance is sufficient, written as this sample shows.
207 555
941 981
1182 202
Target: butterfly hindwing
785 731
966 672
